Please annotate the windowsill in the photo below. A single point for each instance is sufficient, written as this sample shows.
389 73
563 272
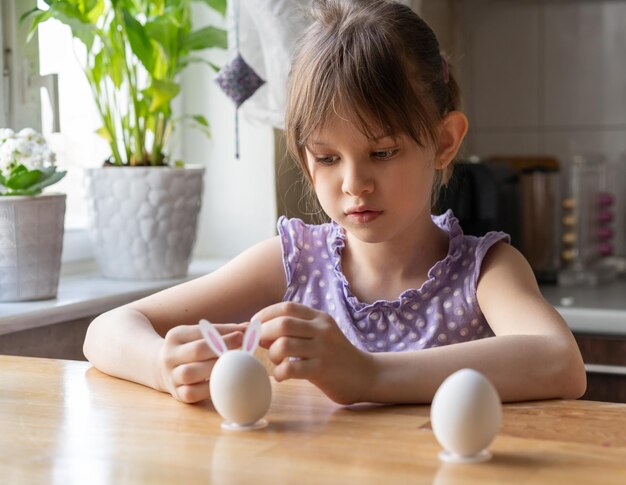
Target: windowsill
83 292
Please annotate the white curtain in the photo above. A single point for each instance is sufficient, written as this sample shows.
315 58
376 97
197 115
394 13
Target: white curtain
268 30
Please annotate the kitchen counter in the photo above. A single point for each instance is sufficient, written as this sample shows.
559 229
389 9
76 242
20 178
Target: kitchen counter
65 422
597 316
597 310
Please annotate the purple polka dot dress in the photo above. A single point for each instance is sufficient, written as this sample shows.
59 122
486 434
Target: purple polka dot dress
442 311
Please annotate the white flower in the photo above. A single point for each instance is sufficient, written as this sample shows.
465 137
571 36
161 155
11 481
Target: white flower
28 132
6 133
32 136
26 148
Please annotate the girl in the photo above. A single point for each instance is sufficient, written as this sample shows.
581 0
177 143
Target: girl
385 301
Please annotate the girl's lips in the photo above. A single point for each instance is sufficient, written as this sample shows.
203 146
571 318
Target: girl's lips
363 217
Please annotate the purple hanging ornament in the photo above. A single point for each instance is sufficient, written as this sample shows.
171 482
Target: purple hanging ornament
238 80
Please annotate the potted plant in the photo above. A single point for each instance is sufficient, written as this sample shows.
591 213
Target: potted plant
143 206
31 223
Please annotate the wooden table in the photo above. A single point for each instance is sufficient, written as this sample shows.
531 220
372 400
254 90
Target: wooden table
63 422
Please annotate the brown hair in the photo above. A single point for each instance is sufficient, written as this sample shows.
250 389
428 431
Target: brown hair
378 58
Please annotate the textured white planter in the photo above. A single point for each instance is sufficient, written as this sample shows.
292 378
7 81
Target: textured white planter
31 242
142 220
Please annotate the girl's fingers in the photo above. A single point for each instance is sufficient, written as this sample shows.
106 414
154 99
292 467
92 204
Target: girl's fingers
199 350
290 347
289 319
183 334
192 373
226 328
193 393
286 326
295 369
285 309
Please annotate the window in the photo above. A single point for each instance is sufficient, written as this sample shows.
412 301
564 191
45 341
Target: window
43 86
77 146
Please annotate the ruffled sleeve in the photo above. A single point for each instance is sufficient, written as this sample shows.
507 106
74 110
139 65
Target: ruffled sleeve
486 242
291 233
448 222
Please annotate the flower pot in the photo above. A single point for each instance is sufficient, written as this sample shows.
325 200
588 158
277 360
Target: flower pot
142 220
31 242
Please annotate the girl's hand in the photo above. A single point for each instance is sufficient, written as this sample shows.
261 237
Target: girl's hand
305 343
185 360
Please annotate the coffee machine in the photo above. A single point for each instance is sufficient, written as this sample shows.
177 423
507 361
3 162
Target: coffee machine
518 195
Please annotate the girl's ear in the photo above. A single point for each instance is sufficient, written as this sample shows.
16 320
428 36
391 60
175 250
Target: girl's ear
212 337
252 336
451 133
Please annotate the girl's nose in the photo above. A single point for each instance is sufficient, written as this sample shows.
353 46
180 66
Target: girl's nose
357 179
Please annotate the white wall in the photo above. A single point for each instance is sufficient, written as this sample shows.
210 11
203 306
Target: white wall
239 206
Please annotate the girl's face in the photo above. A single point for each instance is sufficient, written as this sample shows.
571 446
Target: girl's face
376 189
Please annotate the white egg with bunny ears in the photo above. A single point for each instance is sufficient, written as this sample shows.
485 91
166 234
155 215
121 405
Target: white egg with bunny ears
240 387
465 415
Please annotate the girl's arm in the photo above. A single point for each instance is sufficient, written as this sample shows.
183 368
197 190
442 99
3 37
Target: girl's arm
532 356
155 341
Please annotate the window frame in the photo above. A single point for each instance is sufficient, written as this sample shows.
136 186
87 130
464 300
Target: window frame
4 72
20 100
20 60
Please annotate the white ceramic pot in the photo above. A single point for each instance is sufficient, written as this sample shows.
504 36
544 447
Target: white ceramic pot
142 220
31 242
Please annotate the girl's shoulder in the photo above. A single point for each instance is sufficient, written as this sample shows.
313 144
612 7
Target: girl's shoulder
465 252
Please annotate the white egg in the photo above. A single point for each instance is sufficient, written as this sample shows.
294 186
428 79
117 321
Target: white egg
240 388
465 414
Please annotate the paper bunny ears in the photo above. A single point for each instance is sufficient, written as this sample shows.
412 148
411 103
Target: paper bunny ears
216 342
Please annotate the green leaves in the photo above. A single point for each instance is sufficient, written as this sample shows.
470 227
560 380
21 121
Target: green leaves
139 41
48 177
94 13
80 15
21 178
22 181
135 51
219 5
164 31
161 93
206 38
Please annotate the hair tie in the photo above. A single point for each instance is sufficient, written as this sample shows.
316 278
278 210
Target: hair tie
444 68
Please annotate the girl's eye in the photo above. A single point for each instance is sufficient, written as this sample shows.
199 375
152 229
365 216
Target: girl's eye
326 160
385 154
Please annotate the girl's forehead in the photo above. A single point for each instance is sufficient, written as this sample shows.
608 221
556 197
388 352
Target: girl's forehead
356 124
